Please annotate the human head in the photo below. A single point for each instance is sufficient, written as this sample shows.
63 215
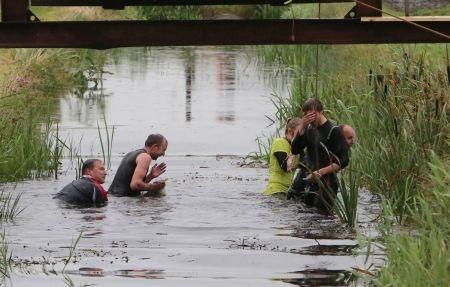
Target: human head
349 134
291 127
316 106
156 145
95 169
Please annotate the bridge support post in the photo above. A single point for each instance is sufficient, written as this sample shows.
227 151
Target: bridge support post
15 10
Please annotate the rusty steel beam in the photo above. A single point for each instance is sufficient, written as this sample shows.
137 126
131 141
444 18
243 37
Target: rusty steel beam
110 34
366 11
173 2
14 10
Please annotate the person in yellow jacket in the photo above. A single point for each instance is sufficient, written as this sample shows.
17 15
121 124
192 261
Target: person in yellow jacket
282 163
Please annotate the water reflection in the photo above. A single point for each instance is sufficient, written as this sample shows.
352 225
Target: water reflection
321 277
141 273
189 78
226 85
85 105
151 209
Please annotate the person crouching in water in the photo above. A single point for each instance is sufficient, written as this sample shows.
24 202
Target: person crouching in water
88 189
327 152
281 161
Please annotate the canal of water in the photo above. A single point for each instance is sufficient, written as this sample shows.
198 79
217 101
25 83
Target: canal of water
213 227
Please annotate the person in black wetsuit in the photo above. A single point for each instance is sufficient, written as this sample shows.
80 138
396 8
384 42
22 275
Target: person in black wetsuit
131 178
327 152
88 189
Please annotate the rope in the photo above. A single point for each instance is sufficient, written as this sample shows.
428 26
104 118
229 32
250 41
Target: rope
405 20
316 146
317 63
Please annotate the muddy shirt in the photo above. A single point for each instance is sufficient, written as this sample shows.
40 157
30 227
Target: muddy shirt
81 191
324 145
279 179
122 180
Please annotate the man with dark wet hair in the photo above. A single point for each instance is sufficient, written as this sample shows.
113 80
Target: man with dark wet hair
327 152
132 176
87 190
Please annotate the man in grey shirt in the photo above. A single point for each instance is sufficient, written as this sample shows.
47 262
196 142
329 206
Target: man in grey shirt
132 176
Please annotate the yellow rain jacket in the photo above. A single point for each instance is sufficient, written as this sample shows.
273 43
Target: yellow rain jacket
279 180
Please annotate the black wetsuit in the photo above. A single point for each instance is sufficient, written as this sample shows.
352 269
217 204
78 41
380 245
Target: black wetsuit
83 192
122 180
324 145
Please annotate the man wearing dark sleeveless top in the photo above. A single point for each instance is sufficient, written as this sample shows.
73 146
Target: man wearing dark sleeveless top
131 178
327 152
87 190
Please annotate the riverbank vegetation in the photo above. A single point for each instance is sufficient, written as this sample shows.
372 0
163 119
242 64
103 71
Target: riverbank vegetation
397 97
209 12
31 81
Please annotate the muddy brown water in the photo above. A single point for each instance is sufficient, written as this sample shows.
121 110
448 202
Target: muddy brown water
213 227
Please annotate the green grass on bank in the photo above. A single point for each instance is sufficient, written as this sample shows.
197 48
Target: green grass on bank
30 81
421 256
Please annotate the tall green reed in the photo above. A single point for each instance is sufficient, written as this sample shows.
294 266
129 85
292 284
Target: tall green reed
67 280
106 142
9 206
409 120
346 205
420 256
5 259
25 149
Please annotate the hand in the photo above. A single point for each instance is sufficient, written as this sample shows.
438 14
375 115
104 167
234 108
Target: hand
157 185
156 171
309 118
313 176
290 162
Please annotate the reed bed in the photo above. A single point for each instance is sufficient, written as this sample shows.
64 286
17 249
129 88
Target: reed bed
30 146
398 105
420 257
397 97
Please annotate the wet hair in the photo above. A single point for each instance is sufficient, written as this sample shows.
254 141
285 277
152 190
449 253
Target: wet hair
292 123
312 104
154 139
88 165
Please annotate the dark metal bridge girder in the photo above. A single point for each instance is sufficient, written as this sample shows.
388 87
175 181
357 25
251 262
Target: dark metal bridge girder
110 34
175 2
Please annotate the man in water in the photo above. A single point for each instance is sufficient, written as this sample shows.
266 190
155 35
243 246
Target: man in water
131 178
87 190
327 152
282 163
349 134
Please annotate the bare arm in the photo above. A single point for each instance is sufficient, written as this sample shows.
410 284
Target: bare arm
138 182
